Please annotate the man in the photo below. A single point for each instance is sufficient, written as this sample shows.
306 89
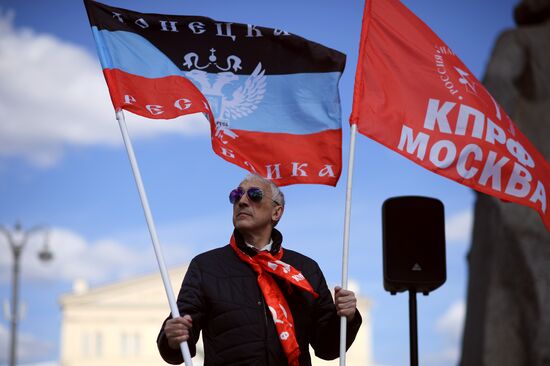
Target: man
256 303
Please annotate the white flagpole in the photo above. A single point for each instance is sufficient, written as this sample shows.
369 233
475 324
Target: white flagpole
152 230
345 246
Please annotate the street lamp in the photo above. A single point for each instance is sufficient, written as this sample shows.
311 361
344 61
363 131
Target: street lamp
17 239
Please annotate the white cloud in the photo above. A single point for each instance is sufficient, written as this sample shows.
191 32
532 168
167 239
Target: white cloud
459 226
75 257
450 326
53 95
447 356
451 322
29 348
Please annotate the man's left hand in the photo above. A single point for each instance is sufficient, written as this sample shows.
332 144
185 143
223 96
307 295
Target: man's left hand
346 303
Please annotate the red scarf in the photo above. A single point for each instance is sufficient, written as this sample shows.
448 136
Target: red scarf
266 266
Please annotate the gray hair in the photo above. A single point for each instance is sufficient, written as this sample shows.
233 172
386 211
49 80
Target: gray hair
276 194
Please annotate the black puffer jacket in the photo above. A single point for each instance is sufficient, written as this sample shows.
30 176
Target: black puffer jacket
222 295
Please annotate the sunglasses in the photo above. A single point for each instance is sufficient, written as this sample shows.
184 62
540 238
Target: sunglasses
254 194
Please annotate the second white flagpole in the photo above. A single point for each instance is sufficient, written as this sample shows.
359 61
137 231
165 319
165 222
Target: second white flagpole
345 246
152 230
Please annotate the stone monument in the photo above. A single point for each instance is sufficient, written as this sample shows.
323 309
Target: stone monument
508 306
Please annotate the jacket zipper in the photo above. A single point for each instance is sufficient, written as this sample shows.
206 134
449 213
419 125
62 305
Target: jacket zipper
262 300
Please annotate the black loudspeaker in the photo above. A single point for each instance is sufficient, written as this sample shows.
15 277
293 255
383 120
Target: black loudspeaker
413 244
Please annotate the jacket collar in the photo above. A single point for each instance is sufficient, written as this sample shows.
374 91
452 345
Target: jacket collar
276 236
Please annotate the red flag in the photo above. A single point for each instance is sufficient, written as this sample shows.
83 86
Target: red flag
415 96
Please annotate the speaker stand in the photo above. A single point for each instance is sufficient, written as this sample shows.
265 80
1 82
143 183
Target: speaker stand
413 331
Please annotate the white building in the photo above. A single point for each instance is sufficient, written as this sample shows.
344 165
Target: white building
117 325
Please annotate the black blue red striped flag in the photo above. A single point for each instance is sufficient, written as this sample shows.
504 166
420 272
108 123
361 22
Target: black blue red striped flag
273 95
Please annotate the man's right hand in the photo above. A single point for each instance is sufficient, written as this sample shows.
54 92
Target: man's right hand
177 330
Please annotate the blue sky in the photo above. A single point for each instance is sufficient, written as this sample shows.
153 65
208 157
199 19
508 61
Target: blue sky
62 164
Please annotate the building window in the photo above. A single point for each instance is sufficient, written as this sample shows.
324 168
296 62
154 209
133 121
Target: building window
86 352
98 344
130 344
92 345
124 344
137 344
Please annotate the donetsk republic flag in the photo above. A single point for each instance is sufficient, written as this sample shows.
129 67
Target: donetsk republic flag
273 95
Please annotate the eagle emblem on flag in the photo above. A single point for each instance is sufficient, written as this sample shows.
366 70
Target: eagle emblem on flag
227 100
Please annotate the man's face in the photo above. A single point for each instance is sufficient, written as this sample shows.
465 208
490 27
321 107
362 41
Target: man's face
251 217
